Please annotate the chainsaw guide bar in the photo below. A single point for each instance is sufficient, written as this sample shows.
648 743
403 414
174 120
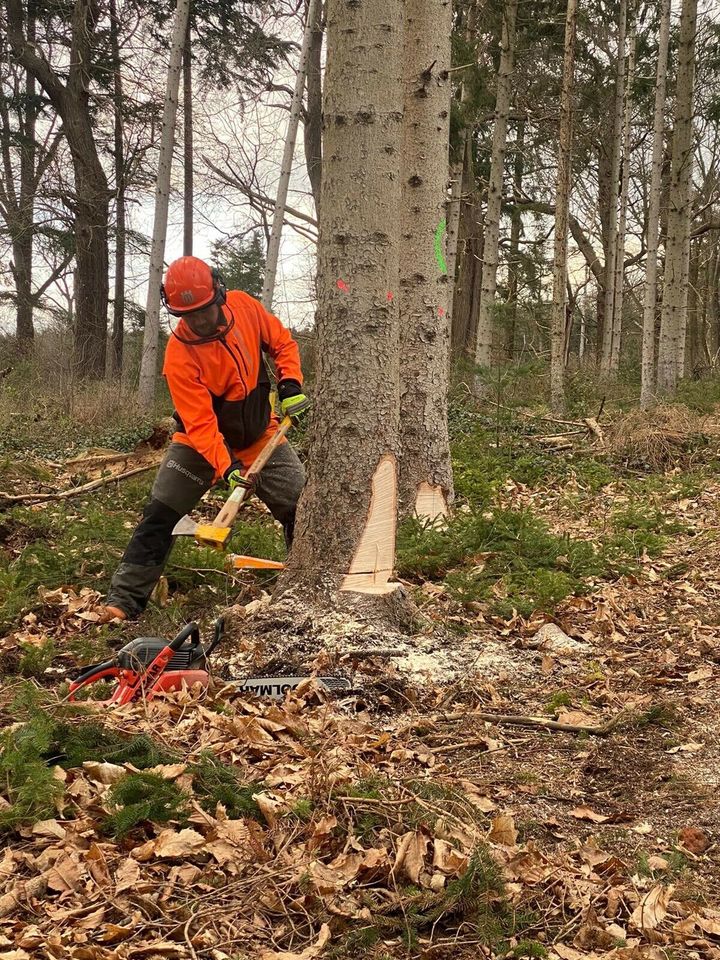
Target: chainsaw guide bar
277 687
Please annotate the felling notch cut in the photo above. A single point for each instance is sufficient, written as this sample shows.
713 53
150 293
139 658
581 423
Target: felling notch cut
374 559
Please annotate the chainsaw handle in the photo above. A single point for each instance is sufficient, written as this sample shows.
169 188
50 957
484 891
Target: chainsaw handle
189 630
97 672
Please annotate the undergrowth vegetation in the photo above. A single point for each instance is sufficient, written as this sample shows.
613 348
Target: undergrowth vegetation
48 734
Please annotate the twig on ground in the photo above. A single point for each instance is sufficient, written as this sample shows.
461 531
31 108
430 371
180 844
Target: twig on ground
599 730
66 494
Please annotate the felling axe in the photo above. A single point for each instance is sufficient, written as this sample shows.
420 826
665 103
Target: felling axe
217 533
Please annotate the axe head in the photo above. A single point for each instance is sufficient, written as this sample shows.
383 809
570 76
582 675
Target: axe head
185 527
205 533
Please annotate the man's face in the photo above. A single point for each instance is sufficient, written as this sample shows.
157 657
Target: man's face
205 322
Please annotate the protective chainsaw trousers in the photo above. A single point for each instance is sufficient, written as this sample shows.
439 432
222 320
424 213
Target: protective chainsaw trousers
184 476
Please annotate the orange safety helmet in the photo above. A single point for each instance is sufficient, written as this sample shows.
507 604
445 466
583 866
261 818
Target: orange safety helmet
191 284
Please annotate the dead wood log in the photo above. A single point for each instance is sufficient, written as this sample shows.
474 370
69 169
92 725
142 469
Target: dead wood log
74 491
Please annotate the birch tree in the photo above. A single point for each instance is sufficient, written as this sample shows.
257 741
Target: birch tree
484 331
613 192
425 469
562 207
118 324
677 247
647 387
149 362
619 282
287 160
345 528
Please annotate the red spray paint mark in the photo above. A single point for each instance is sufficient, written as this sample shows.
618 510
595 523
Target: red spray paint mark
389 297
341 285
441 311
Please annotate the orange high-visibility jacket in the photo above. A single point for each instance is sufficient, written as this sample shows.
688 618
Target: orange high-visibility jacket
221 388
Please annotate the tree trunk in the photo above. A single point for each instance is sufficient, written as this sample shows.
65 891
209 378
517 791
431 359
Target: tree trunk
90 202
118 327
677 246
188 166
619 283
425 468
712 302
312 126
647 387
514 251
23 242
466 289
491 232
604 179
352 455
149 362
614 184
694 353
271 260
562 207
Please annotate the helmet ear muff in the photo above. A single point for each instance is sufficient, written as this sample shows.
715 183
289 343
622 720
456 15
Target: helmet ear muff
163 297
220 288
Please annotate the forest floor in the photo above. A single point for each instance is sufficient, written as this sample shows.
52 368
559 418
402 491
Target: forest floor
419 816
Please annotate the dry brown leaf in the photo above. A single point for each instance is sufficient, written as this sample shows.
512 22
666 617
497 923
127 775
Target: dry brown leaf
697 676
447 858
694 840
410 857
270 807
652 909
31 937
503 831
49 828
309 953
127 876
107 773
183 843
586 813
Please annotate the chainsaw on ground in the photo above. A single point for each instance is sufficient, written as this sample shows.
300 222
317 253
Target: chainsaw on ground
149 665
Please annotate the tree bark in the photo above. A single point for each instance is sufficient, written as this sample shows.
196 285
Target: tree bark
271 260
23 240
491 231
647 386
90 202
312 126
677 247
118 327
614 187
466 290
562 207
149 362
355 421
514 251
619 283
188 163
425 468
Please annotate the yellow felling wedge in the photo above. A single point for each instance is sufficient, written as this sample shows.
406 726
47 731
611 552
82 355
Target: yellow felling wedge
237 561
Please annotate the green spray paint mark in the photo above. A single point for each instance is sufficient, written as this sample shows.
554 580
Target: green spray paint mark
439 255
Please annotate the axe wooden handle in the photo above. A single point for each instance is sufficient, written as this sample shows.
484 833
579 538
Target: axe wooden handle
226 517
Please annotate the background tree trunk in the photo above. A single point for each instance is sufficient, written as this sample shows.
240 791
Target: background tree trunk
22 243
188 164
118 327
90 202
312 124
355 417
647 387
562 205
425 468
514 250
491 231
622 216
149 362
677 247
614 187
271 260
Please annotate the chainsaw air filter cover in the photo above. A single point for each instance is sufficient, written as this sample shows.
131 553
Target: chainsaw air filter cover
141 652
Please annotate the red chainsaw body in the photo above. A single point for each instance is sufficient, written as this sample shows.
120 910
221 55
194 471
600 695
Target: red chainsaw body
148 666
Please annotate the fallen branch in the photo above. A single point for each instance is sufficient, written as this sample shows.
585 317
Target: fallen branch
511 719
85 488
35 887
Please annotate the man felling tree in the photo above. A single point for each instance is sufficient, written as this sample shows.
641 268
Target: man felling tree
219 384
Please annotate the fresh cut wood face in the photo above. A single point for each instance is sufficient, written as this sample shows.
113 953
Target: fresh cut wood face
431 505
374 559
